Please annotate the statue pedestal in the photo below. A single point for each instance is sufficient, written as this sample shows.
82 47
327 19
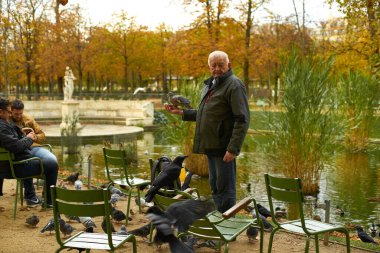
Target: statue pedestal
70 117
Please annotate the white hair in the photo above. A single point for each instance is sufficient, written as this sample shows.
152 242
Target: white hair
218 54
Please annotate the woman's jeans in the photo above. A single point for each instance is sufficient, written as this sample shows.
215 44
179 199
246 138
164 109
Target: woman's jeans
222 178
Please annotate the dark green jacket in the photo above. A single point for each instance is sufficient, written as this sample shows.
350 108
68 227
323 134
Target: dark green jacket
222 118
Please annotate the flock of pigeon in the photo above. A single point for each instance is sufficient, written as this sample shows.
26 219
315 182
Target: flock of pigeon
176 218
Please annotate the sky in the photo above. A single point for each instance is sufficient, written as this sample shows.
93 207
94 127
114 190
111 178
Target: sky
171 12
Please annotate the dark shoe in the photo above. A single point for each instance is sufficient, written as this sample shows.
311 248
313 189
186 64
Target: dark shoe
47 205
33 202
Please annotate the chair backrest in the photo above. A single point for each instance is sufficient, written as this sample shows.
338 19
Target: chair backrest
6 156
285 190
116 164
88 203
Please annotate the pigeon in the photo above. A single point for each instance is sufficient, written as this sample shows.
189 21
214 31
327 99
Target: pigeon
373 229
88 223
339 211
114 198
138 89
169 173
263 211
72 218
252 233
179 101
72 178
117 215
267 225
114 190
32 220
65 228
104 226
364 236
49 226
141 231
179 215
78 184
123 231
280 212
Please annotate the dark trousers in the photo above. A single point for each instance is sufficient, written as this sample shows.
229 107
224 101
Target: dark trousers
32 168
222 179
1 186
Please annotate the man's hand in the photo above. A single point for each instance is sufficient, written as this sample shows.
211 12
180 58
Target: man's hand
27 130
228 157
173 109
32 136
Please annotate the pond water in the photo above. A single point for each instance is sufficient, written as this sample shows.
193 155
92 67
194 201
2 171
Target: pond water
348 181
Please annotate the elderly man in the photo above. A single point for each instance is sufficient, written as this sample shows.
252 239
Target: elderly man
222 121
14 140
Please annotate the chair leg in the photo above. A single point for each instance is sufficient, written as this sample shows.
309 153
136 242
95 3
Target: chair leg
316 244
45 193
88 250
271 239
261 239
307 244
134 246
226 248
138 196
151 233
128 205
347 241
16 197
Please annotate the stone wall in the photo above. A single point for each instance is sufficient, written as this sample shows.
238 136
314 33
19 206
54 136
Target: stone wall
131 112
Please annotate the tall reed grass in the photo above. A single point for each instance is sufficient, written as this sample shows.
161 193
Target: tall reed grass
358 99
306 127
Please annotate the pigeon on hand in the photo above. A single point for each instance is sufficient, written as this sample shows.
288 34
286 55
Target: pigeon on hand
123 231
252 233
179 215
263 211
104 226
169 173
178 101
117 215
72 178
141 231
65 228
364 236
32 220
49 226
88 223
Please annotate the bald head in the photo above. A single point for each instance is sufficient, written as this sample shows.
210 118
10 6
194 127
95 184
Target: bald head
218 63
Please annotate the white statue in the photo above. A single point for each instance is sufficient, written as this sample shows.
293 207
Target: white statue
69 84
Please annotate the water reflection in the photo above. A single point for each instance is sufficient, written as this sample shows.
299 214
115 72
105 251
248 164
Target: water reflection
347 182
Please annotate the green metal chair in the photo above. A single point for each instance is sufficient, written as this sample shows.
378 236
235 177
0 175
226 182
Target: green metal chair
117 173
7 156
221 227
90 203
290 190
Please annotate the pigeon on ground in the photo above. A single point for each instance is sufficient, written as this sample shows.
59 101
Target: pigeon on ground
339 211
72 218
373 229
104 226
364 236
32 220
267 225
78 184
88 223
169 173
179 215
179 101
123 231
49 226
72 178
280 212
263 211
141 231
114 199
252 233
114 190
117 215
65 228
